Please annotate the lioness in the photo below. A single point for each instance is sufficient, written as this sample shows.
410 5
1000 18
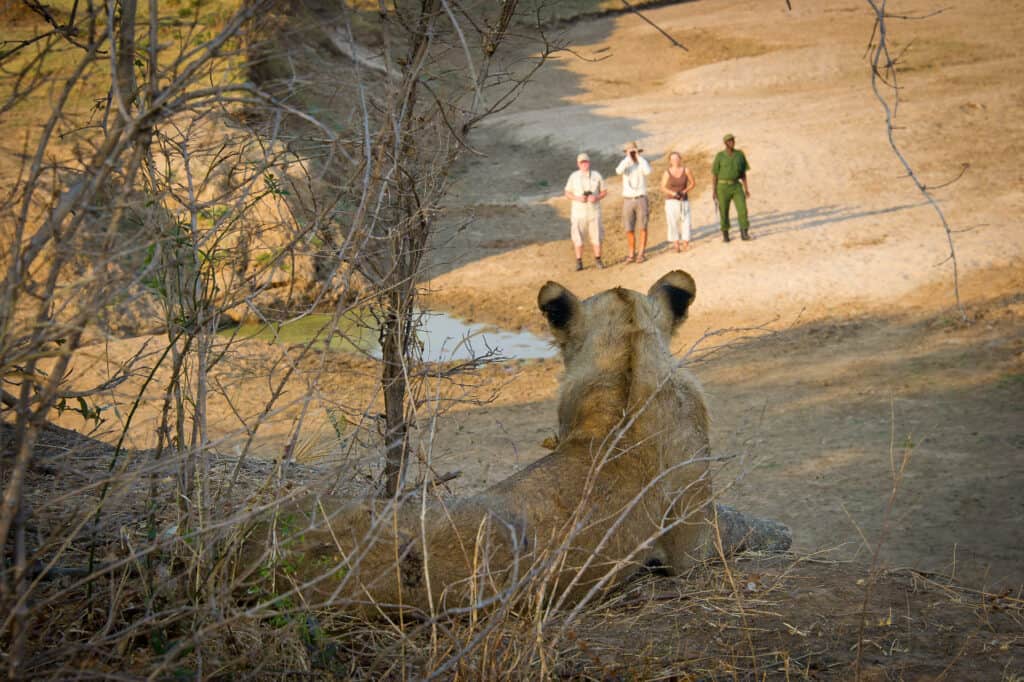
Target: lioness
626 487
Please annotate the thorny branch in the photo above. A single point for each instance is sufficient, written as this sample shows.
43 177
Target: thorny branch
883 69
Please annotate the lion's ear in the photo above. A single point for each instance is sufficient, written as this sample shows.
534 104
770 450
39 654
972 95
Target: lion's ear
560 307
674 293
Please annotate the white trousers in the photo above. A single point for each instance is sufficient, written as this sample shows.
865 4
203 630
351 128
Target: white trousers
677 215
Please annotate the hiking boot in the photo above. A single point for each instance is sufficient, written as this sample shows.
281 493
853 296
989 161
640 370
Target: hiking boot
744 235
725 237
579 264
599 263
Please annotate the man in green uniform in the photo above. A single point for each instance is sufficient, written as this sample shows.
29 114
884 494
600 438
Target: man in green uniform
730 184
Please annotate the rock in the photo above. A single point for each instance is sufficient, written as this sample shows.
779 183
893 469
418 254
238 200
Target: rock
742 532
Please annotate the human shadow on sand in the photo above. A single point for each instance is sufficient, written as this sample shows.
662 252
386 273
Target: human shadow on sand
780 222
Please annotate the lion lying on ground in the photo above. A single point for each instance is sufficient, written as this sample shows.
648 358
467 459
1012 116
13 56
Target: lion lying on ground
625 489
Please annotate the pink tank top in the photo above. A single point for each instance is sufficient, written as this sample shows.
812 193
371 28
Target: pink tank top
677 184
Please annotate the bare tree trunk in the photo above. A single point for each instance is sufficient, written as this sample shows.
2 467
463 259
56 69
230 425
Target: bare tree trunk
393 336
408 242
124 91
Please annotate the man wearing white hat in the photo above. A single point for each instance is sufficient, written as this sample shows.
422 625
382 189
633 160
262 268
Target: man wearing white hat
585 189
634 170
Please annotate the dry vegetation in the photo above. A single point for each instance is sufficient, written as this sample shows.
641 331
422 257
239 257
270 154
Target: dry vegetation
166 175
750 617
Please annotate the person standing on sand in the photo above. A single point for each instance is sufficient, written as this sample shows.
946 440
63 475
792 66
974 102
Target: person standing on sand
634 170
585 189
730 184
676 184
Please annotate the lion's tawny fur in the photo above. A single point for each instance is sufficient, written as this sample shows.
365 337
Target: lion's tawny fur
627 485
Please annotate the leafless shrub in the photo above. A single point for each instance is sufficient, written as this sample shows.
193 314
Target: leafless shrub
168 191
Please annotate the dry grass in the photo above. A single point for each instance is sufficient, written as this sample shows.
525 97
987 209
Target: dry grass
154 607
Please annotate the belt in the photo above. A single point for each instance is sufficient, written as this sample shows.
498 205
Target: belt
728 182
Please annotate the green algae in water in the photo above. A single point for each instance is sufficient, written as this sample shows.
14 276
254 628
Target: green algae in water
443 337
355 332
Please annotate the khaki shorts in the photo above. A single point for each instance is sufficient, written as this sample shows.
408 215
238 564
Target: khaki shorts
587 228
634 209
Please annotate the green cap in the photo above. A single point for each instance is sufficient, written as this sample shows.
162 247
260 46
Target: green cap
728 136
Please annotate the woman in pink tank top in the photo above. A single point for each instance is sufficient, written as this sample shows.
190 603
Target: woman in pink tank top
676 184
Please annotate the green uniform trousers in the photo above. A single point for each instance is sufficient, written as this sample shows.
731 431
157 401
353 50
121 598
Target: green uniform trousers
732 192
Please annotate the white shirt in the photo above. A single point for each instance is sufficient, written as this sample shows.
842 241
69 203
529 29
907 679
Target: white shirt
580 182
634 176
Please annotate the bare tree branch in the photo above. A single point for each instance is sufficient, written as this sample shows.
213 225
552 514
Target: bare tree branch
637 12
883 63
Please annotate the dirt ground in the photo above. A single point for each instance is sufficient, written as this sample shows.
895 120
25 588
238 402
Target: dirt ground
849 398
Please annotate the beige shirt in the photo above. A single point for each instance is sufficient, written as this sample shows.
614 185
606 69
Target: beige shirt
580 182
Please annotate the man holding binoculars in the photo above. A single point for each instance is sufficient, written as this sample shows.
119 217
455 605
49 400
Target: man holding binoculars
634 170
585 189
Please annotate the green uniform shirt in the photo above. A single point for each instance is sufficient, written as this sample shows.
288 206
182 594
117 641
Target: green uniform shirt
730 166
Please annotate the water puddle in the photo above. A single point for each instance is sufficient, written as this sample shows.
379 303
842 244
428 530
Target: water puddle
444 338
